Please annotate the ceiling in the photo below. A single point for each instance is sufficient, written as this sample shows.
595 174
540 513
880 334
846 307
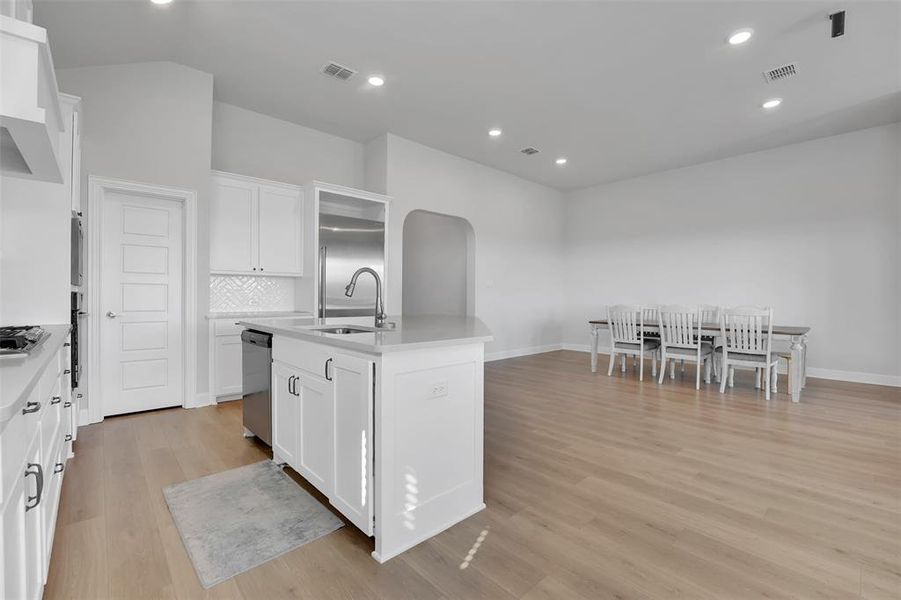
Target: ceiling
619 88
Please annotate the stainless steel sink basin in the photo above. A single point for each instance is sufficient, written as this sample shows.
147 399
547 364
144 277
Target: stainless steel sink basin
342 329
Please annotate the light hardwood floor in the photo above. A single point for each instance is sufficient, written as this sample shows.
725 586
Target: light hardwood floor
596 487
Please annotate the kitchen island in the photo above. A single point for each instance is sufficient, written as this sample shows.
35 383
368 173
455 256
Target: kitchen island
386 423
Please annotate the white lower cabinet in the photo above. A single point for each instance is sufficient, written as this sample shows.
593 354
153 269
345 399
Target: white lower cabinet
228 365
314 456
322 425
34 445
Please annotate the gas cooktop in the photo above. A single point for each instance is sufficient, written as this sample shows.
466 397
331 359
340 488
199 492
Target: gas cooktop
20 340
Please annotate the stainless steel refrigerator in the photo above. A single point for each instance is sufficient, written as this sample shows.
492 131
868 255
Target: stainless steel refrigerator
345 245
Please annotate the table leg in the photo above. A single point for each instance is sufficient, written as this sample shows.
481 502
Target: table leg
796 368
594 349
803 361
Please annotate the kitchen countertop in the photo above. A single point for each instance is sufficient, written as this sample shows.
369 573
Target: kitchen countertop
18 376
258 314
412 332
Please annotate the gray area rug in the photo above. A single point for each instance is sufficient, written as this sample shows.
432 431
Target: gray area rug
235 520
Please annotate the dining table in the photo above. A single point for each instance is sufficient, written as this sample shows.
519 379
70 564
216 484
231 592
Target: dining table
796 334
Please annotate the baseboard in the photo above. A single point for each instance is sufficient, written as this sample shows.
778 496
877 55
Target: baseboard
84 417
201 399
855 376
522 352
834 374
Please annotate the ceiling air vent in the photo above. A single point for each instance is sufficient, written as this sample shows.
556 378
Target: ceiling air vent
337 71
529 150
780 73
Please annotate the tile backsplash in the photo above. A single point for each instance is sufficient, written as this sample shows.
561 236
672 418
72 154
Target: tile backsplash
231 293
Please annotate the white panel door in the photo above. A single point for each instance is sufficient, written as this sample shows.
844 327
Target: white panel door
141 318
353 406
285 415
315 450
281 233
233 226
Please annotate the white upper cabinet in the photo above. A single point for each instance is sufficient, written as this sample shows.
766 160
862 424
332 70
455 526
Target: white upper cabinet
30 115
256 227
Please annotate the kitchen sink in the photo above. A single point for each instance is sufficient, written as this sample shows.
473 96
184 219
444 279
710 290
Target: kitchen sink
343 329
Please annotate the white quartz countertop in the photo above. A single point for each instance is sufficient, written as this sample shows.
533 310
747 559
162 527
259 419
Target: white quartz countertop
18 376
258 314
425 331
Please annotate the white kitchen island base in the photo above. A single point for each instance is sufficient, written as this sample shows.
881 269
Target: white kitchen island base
388 425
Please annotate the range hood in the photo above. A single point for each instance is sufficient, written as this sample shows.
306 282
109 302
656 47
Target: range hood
30 116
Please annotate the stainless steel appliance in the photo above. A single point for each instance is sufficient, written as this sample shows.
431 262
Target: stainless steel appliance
76 314
345 245
20 340
256 367
77 256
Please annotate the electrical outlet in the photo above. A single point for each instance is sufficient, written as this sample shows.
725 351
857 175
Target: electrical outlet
439 389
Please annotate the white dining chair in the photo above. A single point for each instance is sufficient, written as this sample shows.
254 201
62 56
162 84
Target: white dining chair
747 334
680 339
711 314
626 323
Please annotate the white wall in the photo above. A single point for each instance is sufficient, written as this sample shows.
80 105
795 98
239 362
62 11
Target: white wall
151 123
437 262
811 229
518 233
250 143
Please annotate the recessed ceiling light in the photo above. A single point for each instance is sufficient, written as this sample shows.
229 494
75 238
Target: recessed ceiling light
772 103
741 36
161 1
376 80
560 161
494 132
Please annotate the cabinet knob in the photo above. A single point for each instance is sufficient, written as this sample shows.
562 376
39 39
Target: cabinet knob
58 467
67 371
68 437
67 404
55 400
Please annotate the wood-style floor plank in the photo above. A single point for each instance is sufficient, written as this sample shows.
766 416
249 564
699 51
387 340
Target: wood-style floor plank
596 487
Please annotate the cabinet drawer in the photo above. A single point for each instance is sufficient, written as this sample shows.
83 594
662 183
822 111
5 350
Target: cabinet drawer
51 422
303 355
15 440
227 327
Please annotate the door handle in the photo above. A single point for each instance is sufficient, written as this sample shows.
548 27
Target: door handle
111 314
38 472
326 369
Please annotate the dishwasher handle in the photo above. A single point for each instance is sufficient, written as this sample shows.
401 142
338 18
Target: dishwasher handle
257 338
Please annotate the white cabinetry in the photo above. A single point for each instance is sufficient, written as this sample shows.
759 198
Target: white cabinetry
256 227
322 423
226 368
34 445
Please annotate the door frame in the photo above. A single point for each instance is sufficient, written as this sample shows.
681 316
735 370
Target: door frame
97 190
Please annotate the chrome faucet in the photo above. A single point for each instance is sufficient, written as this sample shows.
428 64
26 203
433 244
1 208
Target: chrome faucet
380 315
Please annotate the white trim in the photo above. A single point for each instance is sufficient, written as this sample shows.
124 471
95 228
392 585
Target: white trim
97 187
833 374
502 354
257 180
855 376
343 190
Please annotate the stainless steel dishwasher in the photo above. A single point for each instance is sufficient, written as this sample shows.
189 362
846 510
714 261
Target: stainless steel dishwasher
256 367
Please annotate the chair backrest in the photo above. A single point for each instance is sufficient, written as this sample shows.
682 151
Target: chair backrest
710 313
626 322
649 314
747 329
680 326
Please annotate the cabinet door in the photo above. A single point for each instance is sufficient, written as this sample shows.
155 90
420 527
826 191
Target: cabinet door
285 414
228 365
352 494
233 222
315 455
281 233
22 574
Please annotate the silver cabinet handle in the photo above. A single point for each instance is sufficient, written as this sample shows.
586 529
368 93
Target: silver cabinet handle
38 472
68 437
111 314
59 468
31 407
55 400
67 404
326 369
